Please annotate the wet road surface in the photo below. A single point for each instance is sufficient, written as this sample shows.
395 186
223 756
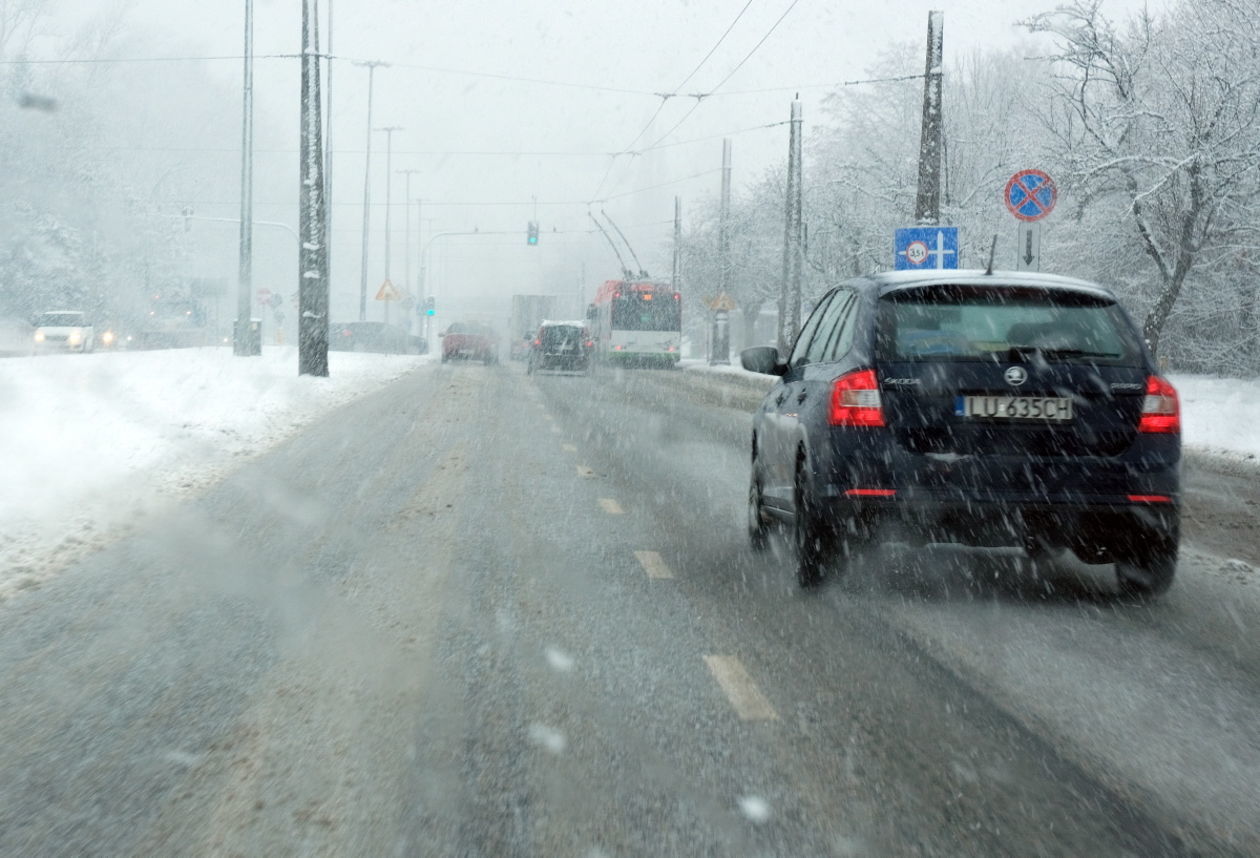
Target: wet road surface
477 613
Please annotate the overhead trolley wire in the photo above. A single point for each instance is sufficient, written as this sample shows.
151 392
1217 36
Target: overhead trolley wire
665 97
700 97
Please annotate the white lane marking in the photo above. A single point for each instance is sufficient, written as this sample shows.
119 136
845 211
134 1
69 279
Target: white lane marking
584 471
750 704
568 448
548 417
610 506
653 565
555 429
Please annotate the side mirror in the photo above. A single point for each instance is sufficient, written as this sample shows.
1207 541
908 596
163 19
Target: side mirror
763 359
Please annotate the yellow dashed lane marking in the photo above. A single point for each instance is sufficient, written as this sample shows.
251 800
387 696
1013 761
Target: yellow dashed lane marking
750 704
653 565
568 448
610 506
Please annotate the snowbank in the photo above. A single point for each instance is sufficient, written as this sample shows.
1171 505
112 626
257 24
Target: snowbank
1220 415
87 440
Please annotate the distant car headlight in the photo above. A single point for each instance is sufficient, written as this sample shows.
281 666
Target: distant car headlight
39 336
108 338
76 337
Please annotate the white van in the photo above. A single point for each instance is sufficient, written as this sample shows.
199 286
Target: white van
64 330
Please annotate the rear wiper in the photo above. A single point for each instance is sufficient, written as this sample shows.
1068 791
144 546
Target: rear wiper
1051 354
1024 353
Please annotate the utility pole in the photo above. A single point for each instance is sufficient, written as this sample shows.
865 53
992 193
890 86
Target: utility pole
927 202
676 271
793 241
313 252
724 221
389 181
407 285
328 147
243 344
371 66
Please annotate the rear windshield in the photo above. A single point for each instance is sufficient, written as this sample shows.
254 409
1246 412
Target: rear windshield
560 334
994 323
647 311
60 320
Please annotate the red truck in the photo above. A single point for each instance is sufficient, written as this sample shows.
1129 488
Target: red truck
470 341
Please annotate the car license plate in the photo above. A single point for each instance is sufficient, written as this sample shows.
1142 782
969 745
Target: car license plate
1053 408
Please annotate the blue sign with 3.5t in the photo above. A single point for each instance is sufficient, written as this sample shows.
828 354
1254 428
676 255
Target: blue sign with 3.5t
924 247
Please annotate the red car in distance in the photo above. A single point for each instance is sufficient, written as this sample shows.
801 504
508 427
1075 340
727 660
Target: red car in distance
470 341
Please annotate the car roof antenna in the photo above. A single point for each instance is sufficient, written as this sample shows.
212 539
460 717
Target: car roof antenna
992 250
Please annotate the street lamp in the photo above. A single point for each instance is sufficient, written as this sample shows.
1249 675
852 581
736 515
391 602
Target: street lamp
407 240
389 181
371 66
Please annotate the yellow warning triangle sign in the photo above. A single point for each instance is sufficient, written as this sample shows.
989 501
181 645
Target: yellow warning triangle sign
388 292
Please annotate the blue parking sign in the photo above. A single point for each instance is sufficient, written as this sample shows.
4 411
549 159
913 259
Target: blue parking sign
925 247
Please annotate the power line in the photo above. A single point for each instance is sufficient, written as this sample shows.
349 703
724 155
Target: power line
716 45
807 86
73 61
700 97
714 137
520 78
665 97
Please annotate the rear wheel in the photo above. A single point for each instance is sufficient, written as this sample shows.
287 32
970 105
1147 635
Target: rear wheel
758 529
1148 575
809 534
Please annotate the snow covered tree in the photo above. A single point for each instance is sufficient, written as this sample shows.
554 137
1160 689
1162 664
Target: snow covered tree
1158 121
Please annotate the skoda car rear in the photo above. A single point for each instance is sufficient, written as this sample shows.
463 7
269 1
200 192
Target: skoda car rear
986 409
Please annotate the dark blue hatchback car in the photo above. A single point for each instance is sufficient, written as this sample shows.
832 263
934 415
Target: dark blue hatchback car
990 409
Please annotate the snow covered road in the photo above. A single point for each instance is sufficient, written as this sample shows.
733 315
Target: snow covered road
92 442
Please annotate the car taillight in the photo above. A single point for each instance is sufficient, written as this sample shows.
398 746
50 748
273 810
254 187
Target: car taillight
538 342
590 344
855 400
1161 412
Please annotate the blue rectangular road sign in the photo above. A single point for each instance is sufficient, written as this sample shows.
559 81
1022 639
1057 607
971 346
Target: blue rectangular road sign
925 247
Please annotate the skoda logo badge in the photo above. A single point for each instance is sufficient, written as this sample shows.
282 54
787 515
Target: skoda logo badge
1016 375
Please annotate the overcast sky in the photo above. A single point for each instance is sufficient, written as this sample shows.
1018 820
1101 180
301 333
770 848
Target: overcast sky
565 134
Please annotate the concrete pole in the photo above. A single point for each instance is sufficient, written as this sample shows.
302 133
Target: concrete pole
796 229
242 342
676 272
367 190
927 202
389 181
312 254
328 145
724 221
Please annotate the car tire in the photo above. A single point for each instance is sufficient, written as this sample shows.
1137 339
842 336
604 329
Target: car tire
809 537
1148 575
758 528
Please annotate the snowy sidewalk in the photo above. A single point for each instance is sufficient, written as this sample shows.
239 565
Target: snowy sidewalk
87 442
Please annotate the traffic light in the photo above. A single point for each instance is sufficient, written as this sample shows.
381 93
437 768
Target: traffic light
531 236
430 307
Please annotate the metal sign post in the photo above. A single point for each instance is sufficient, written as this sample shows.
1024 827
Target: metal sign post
1030 195
1028 250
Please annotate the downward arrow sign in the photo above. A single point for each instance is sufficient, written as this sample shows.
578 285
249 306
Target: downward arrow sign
1028 254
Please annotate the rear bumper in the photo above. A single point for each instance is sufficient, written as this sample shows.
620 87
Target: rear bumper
562 362
1097 529
1096 505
